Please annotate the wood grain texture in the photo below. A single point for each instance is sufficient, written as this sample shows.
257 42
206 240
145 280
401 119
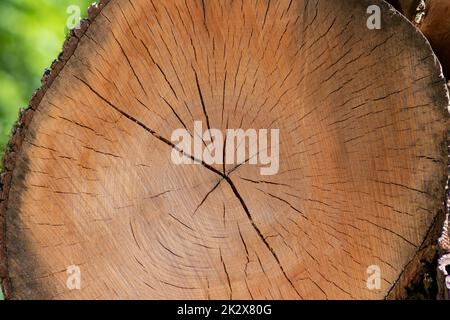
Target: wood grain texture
362 117
430 17
434 24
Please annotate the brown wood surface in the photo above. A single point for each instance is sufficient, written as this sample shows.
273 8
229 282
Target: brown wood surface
362 116
430 17
433 23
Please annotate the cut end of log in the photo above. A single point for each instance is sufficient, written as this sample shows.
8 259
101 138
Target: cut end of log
99 201
430 17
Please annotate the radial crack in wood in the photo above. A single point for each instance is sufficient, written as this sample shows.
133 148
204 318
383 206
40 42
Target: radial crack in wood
91 184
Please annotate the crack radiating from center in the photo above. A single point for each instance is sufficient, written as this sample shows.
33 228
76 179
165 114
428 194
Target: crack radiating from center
223 176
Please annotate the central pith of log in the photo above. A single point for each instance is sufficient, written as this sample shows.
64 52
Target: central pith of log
358 169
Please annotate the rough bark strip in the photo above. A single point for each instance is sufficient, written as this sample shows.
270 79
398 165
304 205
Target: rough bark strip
443 269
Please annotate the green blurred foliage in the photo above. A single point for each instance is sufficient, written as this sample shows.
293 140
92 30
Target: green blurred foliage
31 36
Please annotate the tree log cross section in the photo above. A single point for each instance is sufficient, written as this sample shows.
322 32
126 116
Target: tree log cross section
91 185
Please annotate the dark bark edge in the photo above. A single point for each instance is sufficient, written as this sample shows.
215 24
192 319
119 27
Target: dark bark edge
443 267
